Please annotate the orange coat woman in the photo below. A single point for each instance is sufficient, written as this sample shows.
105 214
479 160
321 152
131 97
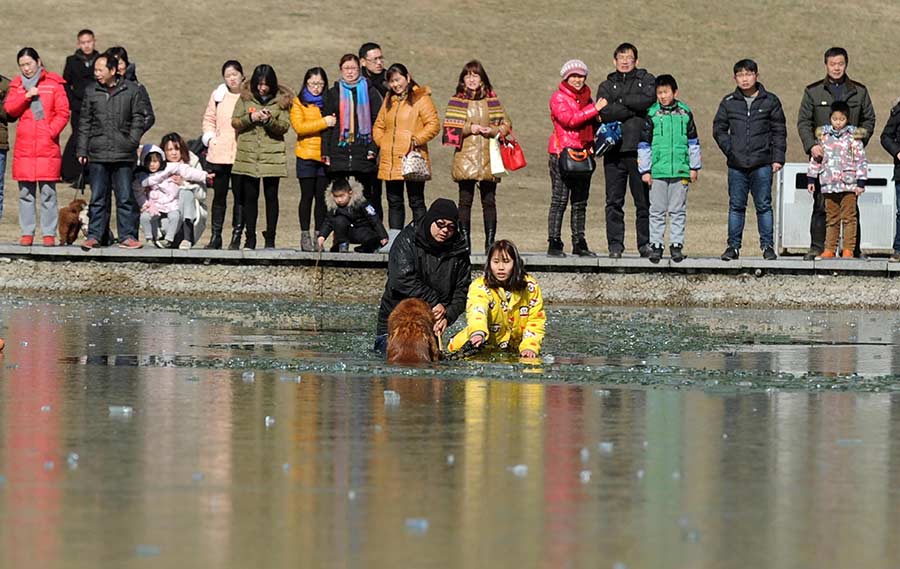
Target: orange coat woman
406 122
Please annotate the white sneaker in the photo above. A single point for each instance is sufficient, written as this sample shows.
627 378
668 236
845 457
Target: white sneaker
185 244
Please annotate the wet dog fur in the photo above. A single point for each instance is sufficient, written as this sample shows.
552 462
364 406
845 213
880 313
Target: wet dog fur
411 338
72 221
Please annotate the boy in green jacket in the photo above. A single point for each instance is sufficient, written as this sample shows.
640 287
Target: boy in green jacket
668 160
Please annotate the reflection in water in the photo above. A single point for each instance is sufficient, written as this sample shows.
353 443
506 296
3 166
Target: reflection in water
715 477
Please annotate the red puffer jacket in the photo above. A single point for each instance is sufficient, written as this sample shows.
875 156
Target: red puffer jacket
573 115
36 155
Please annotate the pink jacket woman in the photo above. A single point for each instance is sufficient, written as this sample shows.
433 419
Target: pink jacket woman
36 154
573 114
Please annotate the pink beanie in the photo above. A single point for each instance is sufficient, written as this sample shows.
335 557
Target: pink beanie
573 67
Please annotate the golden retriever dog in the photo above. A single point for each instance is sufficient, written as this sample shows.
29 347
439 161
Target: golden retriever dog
72 219
411 338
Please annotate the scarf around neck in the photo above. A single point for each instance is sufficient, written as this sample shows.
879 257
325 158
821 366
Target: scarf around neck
356 115
311 99
458 113
37 108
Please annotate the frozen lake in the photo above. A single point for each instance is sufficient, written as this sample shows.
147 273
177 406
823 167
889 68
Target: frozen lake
214 434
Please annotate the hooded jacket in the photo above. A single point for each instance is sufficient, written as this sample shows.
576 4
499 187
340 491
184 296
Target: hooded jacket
751 138
815 110
156 192
260 146
630 95
112 122
844 166
417 269
573 117
351 158
508 319
395 128
218 134
36 155
358 211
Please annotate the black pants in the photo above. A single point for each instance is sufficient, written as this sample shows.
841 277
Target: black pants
371 190
817 224
70 166
565 189
312 189
344 232
488 201
222 180
396 208
621 170
250 200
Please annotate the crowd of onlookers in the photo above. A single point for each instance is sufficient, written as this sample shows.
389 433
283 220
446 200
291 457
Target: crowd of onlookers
367 134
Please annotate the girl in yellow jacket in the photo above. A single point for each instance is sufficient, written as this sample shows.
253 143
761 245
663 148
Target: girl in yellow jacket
406 122
504 309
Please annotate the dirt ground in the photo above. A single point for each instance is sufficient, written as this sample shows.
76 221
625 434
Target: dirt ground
179 48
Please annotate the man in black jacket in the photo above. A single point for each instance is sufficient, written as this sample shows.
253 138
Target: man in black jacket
815 111
750 129
890 140
4 137
428 260
109 132
79 74
630 92
372 60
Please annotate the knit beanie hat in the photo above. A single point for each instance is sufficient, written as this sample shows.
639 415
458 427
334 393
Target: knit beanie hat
442 208
573 67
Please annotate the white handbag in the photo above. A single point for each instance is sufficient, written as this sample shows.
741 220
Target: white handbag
497 167
414 167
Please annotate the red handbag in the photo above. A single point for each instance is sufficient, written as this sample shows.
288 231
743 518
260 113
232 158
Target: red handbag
511 152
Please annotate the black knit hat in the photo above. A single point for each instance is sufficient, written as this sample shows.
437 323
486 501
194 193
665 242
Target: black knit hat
442 208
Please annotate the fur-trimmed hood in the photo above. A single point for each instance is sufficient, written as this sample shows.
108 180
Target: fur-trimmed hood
856 132
283 97
356 197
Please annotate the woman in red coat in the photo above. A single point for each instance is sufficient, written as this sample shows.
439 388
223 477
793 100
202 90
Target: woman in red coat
37 99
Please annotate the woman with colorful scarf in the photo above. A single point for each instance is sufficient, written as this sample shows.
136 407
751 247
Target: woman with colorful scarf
348 148
406 122
574 117
474 116
309 124
37 99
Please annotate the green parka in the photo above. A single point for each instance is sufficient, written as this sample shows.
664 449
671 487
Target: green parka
260 146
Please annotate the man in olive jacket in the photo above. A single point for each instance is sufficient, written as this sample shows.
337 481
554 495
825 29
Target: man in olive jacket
109 133
630 92
4 137
428 260
815 111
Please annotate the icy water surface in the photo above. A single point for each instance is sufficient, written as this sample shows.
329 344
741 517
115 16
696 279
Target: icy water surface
214 434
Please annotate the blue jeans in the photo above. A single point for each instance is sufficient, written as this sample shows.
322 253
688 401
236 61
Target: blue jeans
758 183
108 177
2 177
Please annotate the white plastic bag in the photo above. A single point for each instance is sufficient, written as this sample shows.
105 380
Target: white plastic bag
497 167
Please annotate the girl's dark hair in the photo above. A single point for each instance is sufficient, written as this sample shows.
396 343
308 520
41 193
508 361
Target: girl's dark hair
232 63
516 281
310 73
264 73
119 52
402 70
146 161
30 52
475 67
348 57
179 143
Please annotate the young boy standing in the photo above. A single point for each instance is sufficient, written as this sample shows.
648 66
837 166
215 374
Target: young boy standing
750 130
668 160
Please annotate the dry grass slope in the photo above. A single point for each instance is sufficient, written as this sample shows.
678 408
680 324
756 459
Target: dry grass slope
179 48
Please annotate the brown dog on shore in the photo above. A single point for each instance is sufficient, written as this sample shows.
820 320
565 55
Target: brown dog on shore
71 221
411 338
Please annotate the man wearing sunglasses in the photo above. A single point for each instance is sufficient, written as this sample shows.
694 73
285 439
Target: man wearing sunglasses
428 260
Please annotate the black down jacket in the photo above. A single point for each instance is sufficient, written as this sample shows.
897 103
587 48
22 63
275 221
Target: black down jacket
751 138
112 122
417 270
629 95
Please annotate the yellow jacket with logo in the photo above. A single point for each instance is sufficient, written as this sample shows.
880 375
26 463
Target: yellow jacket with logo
509 320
